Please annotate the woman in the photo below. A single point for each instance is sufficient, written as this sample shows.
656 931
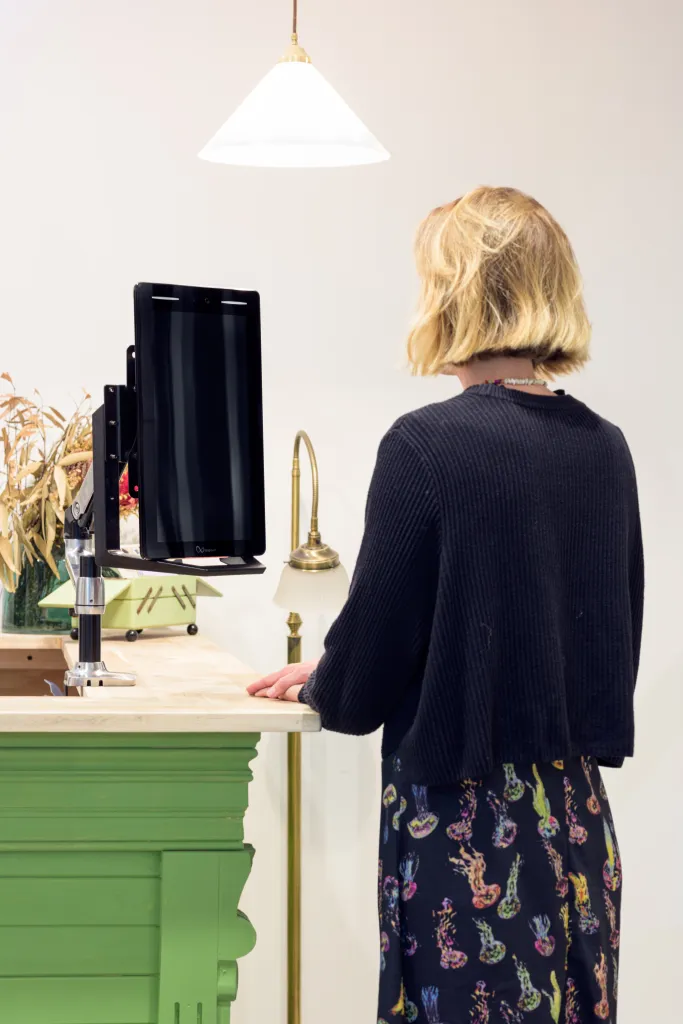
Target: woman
493 628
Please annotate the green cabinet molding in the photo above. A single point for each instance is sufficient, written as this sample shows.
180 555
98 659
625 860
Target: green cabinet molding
122 862
202 935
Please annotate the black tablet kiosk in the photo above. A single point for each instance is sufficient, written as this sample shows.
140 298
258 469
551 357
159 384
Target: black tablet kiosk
199 422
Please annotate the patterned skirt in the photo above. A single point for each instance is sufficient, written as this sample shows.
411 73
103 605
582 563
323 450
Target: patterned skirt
499 898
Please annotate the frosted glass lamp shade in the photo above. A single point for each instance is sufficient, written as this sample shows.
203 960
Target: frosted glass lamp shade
294 118
312 593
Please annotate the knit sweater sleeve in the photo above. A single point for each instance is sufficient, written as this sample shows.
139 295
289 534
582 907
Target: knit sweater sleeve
636 576
636 565
377 646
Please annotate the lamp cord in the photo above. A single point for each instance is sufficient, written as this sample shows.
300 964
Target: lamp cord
295 14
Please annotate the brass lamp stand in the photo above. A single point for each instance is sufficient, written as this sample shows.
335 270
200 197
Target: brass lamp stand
311 558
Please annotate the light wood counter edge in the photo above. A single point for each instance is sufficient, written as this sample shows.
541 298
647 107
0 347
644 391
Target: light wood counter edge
184 684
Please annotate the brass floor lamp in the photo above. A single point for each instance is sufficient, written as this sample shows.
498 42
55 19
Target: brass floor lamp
314 581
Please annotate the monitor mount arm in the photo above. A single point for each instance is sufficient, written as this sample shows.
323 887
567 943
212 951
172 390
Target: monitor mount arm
114 428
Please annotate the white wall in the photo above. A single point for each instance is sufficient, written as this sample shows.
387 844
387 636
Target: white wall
103 108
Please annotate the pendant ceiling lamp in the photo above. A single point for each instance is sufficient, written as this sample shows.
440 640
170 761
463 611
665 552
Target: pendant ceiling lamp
294 118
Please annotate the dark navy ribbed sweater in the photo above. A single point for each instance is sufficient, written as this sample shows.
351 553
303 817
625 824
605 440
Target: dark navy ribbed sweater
496 608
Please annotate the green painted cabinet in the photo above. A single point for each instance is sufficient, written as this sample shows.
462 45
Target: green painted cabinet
122 861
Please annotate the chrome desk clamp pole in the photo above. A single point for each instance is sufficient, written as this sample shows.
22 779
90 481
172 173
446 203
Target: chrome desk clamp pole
90 670
89 604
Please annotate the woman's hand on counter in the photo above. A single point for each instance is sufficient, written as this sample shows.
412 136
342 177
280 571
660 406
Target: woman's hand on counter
285 684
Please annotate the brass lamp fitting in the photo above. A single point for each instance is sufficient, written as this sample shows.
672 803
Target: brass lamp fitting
295 53
313 556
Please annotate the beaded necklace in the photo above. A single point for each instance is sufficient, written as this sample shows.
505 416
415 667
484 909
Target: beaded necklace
519 380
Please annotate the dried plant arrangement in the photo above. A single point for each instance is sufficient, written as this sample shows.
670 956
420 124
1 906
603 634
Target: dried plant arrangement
46 457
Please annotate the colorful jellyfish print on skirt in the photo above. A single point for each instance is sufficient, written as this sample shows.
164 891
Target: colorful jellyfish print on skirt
492 950
545 943
389 797
554 998
548 826
555 858
404 1008
461 829
611 872
409 943
424 822
571 1003
510 905
384 947
407 869
530 998
611 911
504 828
514 787
451 956
592 803
472 866
577 833
588 922
509 1015
390 892
396 819
535 875
601 1008
430 1005
564 918
481 1011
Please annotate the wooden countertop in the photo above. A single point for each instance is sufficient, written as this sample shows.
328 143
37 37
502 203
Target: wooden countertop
184 684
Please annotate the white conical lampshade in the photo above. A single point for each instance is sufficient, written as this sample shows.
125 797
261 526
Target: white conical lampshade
294 118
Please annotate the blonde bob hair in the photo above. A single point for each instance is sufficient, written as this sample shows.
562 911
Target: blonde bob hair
498 278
